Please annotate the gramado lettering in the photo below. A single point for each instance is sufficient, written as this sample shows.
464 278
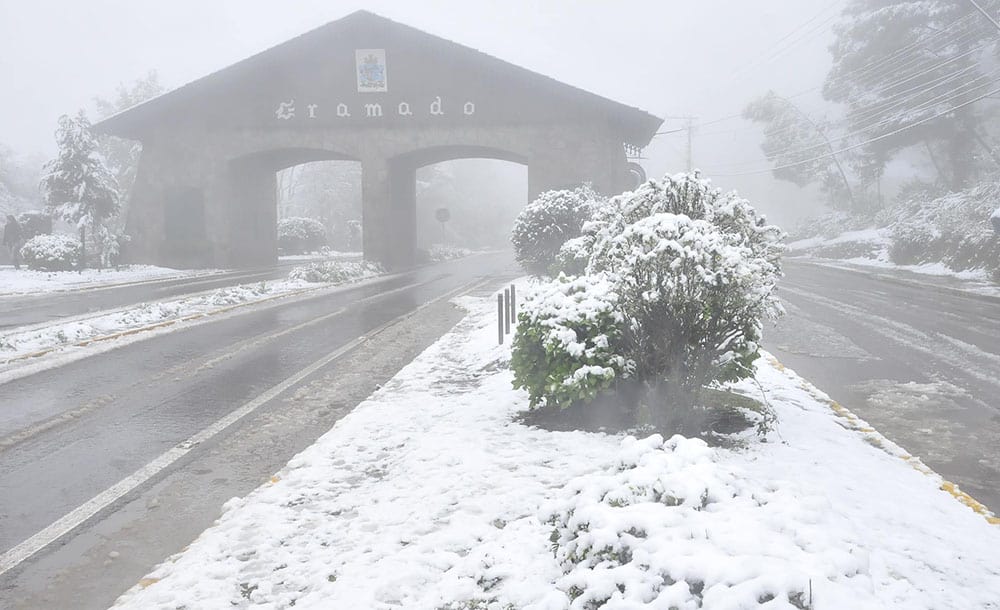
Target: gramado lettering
287 111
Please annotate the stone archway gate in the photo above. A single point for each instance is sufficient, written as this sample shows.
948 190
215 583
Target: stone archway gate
362 88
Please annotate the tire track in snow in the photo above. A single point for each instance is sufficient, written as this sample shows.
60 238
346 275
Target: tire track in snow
965 357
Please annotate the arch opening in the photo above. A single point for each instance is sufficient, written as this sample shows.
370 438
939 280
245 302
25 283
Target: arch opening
448 199
328 192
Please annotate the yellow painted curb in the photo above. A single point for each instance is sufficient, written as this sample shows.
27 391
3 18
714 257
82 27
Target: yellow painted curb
874 437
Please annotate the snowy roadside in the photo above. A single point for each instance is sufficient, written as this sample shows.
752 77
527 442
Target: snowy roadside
428 496
25 281
48 339
874 244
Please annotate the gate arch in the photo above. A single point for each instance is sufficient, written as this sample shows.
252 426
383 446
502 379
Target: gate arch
367 89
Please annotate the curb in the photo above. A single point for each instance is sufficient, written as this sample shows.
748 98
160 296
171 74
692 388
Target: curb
878 440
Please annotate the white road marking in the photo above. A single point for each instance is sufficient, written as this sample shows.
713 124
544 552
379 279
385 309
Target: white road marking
82 513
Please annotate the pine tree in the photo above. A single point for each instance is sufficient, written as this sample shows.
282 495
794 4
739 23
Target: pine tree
899 62
77 186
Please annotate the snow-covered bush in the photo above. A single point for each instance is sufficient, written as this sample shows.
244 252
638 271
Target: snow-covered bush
683 195
55 252
335 272
692 271
298 235
694 298
954 229
546 223
241 293
668 527
445 252
564 348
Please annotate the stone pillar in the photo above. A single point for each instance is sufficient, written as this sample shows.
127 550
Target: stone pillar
375 209
250 239
144 220
388 194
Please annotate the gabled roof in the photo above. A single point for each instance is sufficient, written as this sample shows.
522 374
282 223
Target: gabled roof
638 125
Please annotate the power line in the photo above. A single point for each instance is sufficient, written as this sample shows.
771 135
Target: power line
948 97
867 142
985 14
888 103
894 61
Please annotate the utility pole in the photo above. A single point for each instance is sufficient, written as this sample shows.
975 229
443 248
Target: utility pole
689 127
829 146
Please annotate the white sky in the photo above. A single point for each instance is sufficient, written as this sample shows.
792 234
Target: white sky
666 56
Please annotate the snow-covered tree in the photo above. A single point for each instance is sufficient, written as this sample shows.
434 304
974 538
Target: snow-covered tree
899 62
77 185
800 148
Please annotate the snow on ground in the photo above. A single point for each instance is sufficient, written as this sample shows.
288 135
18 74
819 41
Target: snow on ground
428 496
938 269
873 236
26 281
326 254
21 343
878 242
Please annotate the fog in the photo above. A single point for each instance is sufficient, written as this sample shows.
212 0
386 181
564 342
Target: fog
303 303
702 59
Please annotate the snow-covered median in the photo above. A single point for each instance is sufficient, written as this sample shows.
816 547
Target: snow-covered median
429 496
20 344
25 281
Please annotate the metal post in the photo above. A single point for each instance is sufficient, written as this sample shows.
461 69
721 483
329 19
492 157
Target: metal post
500 318
513 304
506 317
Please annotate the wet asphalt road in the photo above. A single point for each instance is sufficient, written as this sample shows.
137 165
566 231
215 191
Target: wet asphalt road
922 365
132 404
37 309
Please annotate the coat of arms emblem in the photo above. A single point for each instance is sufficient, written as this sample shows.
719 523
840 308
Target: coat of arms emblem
371 70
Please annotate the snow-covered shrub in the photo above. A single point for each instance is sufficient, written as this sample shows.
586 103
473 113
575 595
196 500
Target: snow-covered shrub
668 527
694 299
335 271
298 235
694 270
55 252
546 223
564 347
234 295
954 229
444 252
684 195
692 274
